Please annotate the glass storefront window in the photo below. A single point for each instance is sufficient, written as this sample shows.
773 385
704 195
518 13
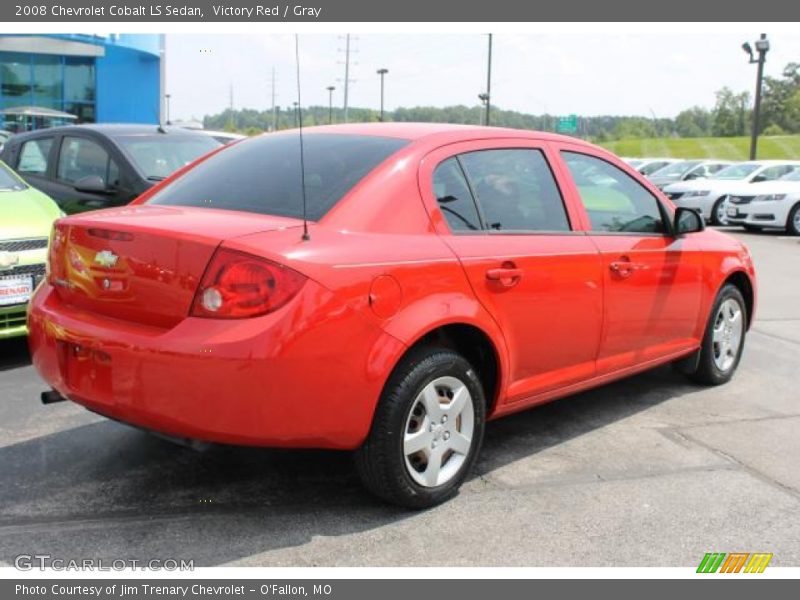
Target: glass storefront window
84 111
66 83
47 81
15 78
79 80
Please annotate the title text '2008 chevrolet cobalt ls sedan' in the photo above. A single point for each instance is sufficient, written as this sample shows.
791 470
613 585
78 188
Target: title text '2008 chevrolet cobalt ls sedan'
451 274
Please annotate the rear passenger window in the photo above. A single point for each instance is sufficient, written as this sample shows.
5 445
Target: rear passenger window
614 201
81 158
454 198
33 156
515 190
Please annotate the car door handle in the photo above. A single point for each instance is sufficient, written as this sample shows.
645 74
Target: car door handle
626 268
505 275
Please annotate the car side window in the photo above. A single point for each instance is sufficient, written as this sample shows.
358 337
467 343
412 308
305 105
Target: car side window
34 156
653 167
775 172
515 190
614 201
454 197
82 157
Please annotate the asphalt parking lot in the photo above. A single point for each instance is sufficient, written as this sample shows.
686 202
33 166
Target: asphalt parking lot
651 471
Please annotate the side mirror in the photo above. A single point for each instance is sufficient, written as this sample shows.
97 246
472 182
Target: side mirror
92 184
688 220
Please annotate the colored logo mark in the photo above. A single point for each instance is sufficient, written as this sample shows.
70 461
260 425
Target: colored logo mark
734 562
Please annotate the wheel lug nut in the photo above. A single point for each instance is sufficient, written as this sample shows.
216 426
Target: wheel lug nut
444 419
446 435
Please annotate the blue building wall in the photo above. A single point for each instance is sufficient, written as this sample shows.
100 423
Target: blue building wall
127 78
128 86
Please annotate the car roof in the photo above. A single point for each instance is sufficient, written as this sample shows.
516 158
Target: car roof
767 163
108 129
428 131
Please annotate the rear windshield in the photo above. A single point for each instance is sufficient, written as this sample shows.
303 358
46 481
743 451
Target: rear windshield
262 175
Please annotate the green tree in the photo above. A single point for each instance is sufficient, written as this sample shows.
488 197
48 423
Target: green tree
731 113
693 122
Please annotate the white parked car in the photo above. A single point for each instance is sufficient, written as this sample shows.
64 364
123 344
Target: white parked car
707 196
772 204
687 170
646 166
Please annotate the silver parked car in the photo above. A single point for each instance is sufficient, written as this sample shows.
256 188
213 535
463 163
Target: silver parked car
686 170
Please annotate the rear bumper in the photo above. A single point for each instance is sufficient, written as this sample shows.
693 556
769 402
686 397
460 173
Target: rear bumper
308 375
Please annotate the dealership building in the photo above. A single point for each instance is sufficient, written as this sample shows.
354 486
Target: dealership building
116 78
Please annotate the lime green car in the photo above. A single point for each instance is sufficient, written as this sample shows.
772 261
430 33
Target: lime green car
26 217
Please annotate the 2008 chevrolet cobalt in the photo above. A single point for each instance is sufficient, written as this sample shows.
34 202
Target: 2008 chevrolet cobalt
450 275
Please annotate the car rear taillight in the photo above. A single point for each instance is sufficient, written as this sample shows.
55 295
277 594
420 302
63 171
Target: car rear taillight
237 285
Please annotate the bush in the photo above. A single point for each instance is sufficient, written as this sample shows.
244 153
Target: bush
773 129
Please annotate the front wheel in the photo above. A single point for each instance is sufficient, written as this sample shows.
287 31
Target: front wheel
426 432
793 222
718 216
723 341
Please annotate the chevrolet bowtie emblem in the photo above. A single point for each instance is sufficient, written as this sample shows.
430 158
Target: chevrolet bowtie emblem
8 259
106 258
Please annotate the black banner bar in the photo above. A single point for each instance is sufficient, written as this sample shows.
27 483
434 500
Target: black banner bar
732 587
440 11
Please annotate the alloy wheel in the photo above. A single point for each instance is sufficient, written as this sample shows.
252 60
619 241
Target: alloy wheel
727 336
438 432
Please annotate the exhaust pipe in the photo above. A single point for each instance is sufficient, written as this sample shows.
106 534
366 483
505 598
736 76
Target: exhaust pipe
51 397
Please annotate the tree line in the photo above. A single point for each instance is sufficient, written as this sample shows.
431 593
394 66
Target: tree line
731 116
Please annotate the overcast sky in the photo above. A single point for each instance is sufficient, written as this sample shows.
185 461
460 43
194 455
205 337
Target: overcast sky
618 74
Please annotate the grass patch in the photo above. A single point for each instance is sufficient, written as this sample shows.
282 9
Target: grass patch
732 148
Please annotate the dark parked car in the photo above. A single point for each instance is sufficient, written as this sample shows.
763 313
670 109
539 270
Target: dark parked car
86 167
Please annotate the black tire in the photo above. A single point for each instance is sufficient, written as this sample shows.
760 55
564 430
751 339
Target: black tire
381 460
791 226
706 371
753 228
714 219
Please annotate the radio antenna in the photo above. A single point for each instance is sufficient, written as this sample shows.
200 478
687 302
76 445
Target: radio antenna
305 237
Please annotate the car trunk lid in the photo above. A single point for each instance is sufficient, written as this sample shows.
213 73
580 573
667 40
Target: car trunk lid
143 263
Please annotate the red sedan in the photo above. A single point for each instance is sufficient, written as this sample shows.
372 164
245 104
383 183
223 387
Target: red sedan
450 275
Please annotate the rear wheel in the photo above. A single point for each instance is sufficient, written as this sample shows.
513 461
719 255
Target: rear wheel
427 430
718 216
723 340
793 222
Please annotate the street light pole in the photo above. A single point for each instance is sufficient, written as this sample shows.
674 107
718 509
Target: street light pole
296 111
489 81
330 89
382 73
762 47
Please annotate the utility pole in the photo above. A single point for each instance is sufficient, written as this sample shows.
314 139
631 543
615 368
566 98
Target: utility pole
346 75
330 89
382 73
762 47
274 112
168 96
489 81
231 124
